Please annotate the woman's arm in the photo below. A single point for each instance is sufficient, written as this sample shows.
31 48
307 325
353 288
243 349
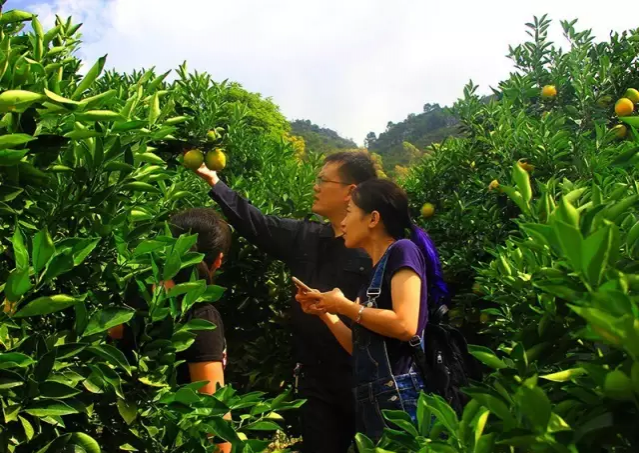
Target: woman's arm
341 331
213 372
400 322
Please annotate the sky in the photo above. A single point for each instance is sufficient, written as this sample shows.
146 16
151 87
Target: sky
350 65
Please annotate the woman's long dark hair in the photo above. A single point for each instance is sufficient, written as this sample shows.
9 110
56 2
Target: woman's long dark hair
213 238
391 202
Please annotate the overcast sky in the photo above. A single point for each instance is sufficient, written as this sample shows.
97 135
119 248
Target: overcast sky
351 65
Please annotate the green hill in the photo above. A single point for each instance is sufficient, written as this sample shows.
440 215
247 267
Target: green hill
320 139
404 143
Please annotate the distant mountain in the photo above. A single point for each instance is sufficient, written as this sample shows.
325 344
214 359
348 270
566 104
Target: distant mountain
405 142
320 139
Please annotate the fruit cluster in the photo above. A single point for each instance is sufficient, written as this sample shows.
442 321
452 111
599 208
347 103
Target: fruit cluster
214 160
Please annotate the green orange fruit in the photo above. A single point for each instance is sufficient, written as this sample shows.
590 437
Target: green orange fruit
620 131
549 92
428 210
215 160
193 159
633 95
624 107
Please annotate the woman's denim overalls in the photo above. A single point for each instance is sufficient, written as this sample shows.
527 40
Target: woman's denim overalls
375 387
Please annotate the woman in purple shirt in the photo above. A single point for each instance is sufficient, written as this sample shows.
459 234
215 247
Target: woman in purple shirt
391 311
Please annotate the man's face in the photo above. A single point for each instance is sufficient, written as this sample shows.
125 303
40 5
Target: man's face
331 192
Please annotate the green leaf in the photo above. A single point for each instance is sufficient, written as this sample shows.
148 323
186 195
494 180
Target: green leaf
20 252
14 360
182 340
487 357
618 386
61 263
183 288
595 253
12 140
128 410
43 250
631 120
112 355
613 212
50 408
83 248
147 246
28 429
140 186
57 390
107 318
45 365
263 425
565 375
522 179
154 109
571 242
99 115
198 324
61 100
18 284
534 403
172 266
89 78
493 404
10 157
567 213
185 243
402 420
86 442
47 305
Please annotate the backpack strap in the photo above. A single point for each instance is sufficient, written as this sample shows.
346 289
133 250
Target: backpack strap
375 288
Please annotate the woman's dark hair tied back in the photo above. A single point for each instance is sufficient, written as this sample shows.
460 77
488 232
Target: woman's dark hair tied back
390 200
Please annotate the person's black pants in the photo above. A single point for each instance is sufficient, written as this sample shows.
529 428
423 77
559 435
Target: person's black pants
328 416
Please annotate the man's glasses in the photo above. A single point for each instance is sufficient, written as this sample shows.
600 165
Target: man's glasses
319 181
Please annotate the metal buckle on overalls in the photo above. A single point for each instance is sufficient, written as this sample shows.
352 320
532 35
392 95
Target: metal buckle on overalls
372 295
415 341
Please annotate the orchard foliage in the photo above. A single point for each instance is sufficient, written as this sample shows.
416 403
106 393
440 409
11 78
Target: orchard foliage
536 220
88 177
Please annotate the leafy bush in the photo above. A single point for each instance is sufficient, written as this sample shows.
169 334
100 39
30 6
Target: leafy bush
84 196
553 261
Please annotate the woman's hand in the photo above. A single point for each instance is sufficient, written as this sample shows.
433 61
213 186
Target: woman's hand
308 301
332 302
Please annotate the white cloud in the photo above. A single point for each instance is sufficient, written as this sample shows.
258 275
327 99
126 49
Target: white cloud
351 65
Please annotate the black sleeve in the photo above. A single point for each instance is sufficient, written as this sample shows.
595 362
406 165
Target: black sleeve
273 235
209 345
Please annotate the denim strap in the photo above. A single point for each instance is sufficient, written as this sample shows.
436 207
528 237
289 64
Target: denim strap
375 288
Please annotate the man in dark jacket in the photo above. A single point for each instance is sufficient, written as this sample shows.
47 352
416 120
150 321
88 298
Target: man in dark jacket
315 253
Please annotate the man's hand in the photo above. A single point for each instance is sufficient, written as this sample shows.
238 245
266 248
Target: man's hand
207 175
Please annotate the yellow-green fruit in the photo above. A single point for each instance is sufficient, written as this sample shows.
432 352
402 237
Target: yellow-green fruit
620 131
618 386
211 135
624 107
484 318
428 210
193 159
549 92
633 95
215 160
477 289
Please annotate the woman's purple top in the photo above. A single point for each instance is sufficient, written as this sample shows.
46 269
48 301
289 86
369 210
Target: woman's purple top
404 254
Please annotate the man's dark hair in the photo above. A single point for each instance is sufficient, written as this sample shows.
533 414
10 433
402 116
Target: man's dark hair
355 166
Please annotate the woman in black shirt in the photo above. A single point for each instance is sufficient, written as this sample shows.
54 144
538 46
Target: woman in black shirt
205 359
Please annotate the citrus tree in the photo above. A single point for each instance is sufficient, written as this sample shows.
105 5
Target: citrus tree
534 213
84 196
